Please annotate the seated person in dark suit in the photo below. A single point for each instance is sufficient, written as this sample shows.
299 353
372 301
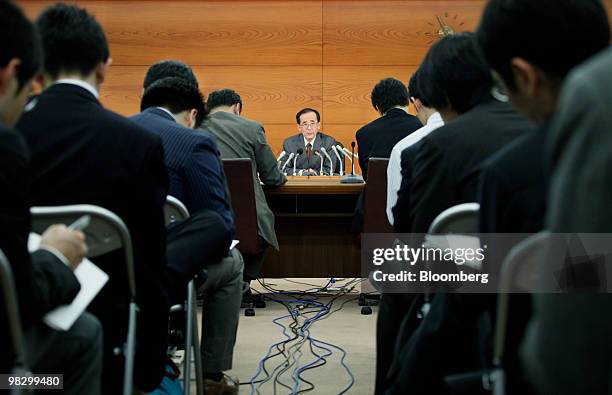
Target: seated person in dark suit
571 333
439 172
514 182
169 110
239 137
44 280
307 147
83 153
377 139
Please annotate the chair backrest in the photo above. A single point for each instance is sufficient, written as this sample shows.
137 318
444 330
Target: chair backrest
375 198
462 218
13 320
239 173
106 232
174 210
518 274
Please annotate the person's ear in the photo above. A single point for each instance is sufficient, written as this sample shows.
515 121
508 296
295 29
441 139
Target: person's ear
417 104
7 73
191 117
237 109
102 70
526 77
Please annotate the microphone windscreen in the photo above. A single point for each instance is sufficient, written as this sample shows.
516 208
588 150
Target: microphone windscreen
300 151
352 144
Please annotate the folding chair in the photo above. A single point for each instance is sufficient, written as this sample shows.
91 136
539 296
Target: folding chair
106 232
9 294
462 218
175 210
459 219
525 255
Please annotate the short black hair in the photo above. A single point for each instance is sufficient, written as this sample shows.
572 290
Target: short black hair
457 74
304 111
414 88
175 94
72 40
553 35
389 93
223 97
169 68
19 40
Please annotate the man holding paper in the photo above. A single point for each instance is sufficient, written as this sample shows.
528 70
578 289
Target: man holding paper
45 279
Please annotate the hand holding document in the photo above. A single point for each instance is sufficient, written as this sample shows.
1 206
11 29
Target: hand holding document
91 278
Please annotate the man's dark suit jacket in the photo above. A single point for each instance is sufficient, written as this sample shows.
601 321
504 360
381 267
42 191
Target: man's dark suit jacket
377 139
294 143
447 162
193 164
512 197
43 281
445 172
83 153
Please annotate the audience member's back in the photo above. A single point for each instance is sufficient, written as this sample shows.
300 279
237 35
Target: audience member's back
82 153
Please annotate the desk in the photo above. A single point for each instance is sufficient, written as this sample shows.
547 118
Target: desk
313 225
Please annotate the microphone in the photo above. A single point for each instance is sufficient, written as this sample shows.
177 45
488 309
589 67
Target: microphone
281 156
291 155
348 152
351 178
299 152
331 164
321 157
333 148
353 153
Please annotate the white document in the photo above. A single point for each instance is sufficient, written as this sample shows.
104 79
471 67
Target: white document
91 278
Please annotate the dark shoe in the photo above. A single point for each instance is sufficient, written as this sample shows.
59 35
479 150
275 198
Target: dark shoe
226 386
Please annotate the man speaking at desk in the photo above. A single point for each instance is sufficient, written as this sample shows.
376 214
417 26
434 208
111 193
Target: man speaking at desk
305 151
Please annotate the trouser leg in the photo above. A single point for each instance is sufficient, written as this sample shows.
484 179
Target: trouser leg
76 353
220 312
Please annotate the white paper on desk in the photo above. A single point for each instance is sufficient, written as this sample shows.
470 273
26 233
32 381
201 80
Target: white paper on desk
91 278
234 244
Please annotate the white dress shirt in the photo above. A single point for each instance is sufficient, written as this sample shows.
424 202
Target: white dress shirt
394 169
85 85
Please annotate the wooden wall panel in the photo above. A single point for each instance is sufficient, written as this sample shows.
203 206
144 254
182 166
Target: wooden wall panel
347 90
208 32
389 32
270 94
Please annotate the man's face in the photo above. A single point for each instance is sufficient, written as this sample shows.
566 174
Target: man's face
309 126
13 99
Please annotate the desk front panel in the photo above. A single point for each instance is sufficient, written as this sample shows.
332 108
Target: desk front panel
313 225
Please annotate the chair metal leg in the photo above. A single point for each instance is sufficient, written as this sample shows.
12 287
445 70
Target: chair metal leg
188 339
129 351
196 344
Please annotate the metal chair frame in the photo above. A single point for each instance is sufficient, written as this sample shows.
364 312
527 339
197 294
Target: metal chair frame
175 210
11 305
106 232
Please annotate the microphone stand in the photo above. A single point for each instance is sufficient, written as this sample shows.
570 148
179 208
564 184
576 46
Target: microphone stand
352 178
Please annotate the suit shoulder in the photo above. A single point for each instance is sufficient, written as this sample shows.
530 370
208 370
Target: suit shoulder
294 138
11 142
125 130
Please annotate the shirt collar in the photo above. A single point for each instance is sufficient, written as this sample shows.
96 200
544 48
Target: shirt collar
167 112
434 118
85 85
312 142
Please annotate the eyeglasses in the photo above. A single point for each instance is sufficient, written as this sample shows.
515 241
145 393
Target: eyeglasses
308 125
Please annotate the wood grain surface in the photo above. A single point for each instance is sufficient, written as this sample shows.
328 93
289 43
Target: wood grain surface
280 55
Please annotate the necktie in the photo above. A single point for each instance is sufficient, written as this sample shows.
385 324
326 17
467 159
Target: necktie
308 150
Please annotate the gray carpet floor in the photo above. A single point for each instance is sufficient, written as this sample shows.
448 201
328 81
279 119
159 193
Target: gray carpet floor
346 328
